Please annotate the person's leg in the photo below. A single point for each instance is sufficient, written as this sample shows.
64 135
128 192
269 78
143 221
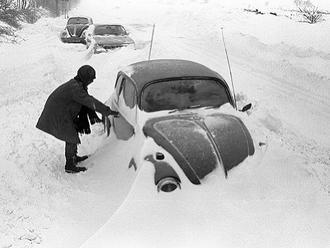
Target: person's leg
82 158
71 158
70 153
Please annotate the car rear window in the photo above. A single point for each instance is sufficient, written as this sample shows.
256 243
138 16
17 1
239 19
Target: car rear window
183 94
78 20
109 29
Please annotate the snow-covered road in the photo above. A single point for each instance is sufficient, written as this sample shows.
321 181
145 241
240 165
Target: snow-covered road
283 72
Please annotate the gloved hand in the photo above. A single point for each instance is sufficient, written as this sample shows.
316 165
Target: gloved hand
95 120
114 113
111 112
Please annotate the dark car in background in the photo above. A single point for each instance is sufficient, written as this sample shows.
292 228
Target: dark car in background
73 31
106 36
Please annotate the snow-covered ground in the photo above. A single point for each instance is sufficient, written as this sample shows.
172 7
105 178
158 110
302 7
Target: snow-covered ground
279 64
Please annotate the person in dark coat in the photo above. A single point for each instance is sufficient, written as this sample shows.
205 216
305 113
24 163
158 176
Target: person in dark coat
65 114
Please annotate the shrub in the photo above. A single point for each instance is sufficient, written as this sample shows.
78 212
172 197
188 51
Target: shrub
14 16
11 17
30 15
310 13
6 31
6 4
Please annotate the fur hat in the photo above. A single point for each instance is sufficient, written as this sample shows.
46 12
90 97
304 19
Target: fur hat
85 74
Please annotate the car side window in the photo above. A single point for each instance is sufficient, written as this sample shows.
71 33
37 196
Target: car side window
121 90
122 125
122 86
129 94
119 84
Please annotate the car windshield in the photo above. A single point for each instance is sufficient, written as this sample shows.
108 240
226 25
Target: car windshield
109 30
183 94
78 20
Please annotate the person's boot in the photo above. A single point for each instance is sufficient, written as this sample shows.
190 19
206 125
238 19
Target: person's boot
71 166
80 159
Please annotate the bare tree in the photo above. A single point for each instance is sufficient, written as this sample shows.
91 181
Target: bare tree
310 13
6 4
25 4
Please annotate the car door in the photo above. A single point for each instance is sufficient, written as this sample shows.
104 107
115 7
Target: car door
126 104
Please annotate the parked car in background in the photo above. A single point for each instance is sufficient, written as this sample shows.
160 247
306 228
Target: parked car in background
106 36
74 29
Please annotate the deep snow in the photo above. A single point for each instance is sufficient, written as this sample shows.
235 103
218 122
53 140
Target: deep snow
279 198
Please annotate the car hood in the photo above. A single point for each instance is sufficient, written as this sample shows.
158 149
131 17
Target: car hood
112 39
76 29
199 144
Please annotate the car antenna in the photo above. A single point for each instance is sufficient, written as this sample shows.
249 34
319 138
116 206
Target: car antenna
152 40
231 76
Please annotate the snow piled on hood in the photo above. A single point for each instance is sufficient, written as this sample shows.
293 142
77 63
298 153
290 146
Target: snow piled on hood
278 198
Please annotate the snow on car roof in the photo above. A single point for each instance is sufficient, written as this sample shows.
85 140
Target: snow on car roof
106 24
147 71
80 16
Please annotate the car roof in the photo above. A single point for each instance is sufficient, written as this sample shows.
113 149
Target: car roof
82 16
106 24
148 71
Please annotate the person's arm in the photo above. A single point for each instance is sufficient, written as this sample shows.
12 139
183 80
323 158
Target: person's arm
81 96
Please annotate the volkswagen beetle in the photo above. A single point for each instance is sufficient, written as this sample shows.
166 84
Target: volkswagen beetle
179 134
172 110
73 31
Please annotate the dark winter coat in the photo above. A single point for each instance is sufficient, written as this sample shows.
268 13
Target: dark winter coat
62 108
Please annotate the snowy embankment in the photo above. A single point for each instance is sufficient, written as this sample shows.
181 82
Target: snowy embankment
278 64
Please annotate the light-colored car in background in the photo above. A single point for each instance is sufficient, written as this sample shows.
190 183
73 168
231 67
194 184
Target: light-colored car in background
74 29
106 36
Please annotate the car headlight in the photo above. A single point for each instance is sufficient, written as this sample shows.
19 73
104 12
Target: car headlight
98 48
64 34
129 45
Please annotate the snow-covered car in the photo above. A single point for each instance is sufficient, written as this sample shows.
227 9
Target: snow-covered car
175 130
73 31
177 104
106 36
